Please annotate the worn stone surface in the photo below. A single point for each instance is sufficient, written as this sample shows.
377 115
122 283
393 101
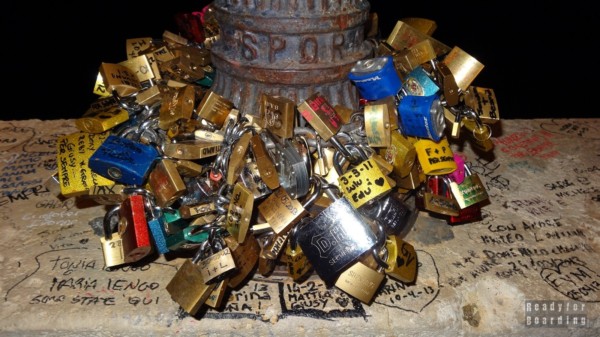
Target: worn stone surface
538 240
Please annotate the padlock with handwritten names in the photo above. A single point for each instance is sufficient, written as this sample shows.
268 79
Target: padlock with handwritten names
119 79
214 108
364 183
435 157
298 266
401 259
219 263
123 160
239 212
277 115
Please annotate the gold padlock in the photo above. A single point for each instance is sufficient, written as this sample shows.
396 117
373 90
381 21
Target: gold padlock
377 125
188 287
435 157
402 260
360 282
423 25
401 154
245 256
176 105
404 36
137 46
98 121
214 108
239 213
119 79
166 183
277 115
463 66
483 102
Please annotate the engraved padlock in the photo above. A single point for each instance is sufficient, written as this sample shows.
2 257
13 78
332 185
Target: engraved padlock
432 197
239 212
277 115
282 212
360 280
123 160
401 154
335 238
471 191
219 263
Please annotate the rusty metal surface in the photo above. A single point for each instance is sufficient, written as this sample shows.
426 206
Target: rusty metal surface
290 48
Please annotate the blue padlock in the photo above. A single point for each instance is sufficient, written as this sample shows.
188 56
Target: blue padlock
123 160
418 83
375 78
421 116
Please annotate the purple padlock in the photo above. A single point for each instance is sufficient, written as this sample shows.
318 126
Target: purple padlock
458 175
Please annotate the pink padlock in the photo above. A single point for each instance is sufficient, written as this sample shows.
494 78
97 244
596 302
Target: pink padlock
458 175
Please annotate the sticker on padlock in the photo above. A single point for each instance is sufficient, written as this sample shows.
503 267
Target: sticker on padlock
375 78
123 160
436 158
422 116
471 191
418 83
335 238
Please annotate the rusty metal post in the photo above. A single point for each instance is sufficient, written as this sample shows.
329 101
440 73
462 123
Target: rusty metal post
290 48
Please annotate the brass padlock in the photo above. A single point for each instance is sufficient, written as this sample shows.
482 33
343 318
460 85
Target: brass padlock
137 46
408 59
377 125
166 183
402 260
471 191
239 212
188 287
266 167
108 194
463 66
214 108
176 105
215 299
237 159
432 197
321 116
120 79
405 36
143 69
277 115
98 121
245 256
192 149
425 26
401 154
449 84
360 281
111 242
483 102
296 261
282 212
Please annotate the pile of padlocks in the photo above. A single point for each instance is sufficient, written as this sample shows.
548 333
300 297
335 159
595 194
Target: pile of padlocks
311 187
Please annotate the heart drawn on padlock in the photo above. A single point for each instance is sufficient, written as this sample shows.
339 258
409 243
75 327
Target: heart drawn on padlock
379 181
417 296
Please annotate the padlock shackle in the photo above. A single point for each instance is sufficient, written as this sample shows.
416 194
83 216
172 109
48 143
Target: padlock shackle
106 222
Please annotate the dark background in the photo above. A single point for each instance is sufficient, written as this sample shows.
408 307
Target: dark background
540 59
